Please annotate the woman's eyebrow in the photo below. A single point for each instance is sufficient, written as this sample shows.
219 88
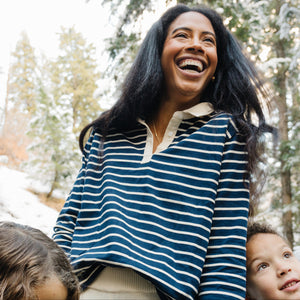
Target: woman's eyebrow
181 28
189 29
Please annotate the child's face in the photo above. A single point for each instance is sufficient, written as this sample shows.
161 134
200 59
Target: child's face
52 289
272 270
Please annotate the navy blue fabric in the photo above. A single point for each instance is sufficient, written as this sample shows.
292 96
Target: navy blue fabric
179 220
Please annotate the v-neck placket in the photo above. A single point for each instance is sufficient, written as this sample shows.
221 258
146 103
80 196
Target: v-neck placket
200 109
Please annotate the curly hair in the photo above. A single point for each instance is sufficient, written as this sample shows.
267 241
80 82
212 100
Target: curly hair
256 228
28 257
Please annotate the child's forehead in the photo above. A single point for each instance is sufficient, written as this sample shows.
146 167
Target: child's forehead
264 238
266 242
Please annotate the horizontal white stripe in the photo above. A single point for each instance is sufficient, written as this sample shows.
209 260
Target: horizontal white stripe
155 179
224 274
231 208
143 212
163 237
139 254
228 237
214 292
225 246
170 249
164 173
223 283
167 200
180 262
159 207
234 266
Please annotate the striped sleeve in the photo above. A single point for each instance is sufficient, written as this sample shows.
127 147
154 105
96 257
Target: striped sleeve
66 222
224 272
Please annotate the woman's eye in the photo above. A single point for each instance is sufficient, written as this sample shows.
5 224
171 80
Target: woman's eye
183 35
209 40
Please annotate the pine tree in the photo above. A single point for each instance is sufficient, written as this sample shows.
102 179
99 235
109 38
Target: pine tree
22 76
65 103
53 152
74 79
20 101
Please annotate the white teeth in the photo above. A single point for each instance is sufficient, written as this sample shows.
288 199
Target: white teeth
191 62
289 284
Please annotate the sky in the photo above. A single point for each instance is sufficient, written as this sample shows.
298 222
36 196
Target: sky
42 21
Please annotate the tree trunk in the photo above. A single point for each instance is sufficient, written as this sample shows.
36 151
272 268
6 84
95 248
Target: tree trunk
285 174
53 185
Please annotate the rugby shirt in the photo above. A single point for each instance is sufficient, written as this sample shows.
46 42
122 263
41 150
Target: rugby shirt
178 219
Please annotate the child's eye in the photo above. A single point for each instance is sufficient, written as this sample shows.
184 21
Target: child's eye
262 266
287 254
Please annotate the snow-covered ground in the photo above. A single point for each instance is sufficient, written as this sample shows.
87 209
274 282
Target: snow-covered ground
19 205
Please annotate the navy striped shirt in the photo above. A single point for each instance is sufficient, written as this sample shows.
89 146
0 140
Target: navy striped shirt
179 219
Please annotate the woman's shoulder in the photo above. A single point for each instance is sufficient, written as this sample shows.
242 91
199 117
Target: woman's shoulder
227 121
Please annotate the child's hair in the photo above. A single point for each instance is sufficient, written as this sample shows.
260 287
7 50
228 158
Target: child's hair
256 228
28 257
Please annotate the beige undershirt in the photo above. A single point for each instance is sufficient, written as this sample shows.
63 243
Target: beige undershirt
200 109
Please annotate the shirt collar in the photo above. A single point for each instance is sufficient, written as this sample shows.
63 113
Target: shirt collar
198 110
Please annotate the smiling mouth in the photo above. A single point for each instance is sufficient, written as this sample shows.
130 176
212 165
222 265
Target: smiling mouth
289 285
191 65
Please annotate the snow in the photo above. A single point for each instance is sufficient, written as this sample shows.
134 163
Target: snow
19 205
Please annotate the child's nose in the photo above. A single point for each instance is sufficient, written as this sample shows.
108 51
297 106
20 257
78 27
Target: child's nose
283 269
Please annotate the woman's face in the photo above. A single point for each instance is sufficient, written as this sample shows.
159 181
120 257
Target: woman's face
189 58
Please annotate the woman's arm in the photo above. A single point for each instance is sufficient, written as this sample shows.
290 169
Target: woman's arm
224 272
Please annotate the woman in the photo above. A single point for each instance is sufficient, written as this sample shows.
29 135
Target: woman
161 202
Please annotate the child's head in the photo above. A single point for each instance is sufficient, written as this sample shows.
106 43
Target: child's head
32 266
273 272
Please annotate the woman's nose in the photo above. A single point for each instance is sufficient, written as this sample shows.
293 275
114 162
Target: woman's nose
196 45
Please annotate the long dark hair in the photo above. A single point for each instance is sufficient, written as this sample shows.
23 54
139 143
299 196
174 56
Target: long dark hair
235 90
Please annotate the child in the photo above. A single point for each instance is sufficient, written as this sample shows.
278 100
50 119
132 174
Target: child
273 272
32 266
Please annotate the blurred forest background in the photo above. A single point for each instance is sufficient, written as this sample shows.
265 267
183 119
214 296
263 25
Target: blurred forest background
48 101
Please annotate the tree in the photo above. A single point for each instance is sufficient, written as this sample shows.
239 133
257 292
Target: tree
74 78
65 103
285 49
20 100
53 154
22 77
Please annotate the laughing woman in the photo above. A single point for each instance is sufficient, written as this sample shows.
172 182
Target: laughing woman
159 209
